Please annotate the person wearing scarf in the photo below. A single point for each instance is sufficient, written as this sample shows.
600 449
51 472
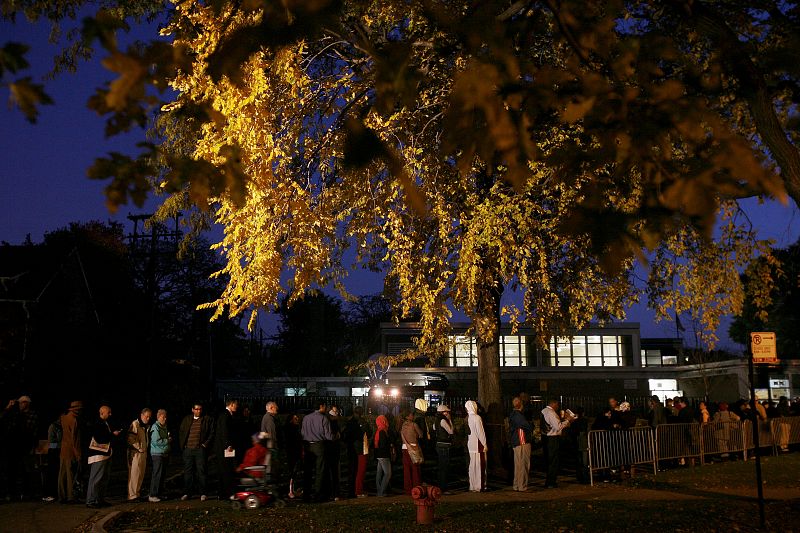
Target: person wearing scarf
383 454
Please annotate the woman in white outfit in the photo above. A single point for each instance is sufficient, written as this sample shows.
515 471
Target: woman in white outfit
476 444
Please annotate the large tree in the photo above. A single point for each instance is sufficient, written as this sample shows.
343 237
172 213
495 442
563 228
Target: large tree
465 147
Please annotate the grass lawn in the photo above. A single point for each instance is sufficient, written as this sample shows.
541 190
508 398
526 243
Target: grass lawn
715 497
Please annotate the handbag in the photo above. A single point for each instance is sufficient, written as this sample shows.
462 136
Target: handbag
414 452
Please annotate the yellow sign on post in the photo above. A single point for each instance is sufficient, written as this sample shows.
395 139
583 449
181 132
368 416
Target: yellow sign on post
763 347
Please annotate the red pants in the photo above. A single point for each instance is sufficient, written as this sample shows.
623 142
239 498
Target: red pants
361 471
412 475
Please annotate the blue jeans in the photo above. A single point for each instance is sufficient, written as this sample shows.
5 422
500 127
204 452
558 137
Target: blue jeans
194 463
383 475
157 477
98 481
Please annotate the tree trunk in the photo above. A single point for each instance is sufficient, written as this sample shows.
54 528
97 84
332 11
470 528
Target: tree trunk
489 387
751 86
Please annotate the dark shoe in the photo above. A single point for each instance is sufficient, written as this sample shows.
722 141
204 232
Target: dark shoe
551 486
93 506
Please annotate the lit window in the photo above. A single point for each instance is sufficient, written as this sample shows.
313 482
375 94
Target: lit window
511 350
670 360
462 351
579 351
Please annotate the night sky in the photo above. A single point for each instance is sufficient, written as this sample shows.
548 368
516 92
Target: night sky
44 184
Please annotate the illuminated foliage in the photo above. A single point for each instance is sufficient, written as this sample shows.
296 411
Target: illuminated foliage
466 148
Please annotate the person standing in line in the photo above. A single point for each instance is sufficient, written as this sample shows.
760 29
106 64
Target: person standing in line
138 445
159 453
225 437
783 412
69 468
293 445
579 432
99 460
357 439
552 428
382 443
316 432
19 423
656 415
444 440
270 429
54 434
411 435
333 450
196 435
476 445
520 440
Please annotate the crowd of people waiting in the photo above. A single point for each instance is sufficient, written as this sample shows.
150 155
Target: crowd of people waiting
314 443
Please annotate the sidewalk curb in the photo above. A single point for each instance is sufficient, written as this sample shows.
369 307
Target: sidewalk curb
99 526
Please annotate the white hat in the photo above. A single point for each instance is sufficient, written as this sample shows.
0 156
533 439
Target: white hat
442 409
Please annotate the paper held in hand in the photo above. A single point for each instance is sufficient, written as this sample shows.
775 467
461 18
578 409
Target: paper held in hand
230 453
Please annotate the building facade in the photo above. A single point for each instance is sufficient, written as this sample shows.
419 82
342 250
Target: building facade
596 361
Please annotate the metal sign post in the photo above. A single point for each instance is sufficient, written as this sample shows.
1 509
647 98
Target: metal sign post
763 349
755 442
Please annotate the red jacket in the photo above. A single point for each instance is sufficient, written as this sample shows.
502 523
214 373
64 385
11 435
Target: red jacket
254 457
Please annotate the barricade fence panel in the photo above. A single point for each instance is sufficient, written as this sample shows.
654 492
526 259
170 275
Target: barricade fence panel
610 449
721 438
676 441
786 431
764 434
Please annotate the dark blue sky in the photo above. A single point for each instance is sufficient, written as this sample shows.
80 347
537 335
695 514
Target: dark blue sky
44 184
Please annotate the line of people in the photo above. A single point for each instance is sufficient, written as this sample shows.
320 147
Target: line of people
312 443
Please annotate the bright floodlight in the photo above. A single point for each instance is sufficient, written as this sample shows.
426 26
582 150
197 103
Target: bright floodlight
378 391
395 392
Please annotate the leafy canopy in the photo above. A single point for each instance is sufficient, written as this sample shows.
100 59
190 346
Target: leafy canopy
465 147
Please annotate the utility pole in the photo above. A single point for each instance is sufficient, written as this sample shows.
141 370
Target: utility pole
147 248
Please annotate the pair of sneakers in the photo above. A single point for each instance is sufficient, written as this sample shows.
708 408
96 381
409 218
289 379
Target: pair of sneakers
185 497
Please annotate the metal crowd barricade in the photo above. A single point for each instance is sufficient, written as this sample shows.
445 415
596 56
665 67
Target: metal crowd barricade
678 441
785 431
765 439
609 449
721 438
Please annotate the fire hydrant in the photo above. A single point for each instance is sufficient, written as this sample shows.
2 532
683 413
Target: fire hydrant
425 498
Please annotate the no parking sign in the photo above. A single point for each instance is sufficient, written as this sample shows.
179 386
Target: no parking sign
763 347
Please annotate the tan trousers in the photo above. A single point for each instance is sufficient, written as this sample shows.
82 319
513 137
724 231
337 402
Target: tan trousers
65 480
522 465
137 464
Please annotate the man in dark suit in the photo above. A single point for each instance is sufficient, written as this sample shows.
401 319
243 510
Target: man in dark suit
225 448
